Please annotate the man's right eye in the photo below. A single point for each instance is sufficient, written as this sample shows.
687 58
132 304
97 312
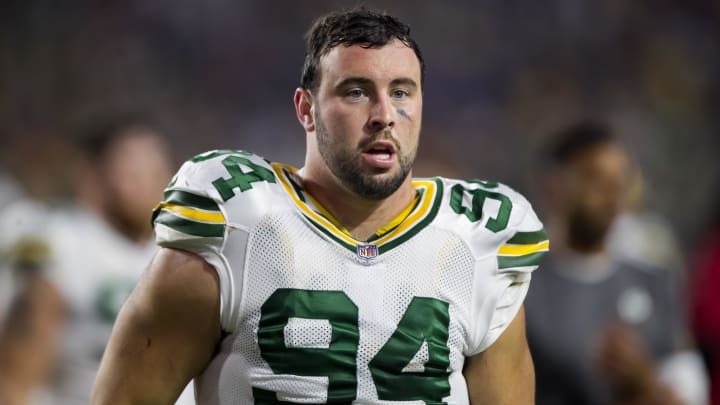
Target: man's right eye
355 93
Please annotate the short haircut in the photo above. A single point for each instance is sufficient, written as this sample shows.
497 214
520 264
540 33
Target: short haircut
576 139
359 26
101 134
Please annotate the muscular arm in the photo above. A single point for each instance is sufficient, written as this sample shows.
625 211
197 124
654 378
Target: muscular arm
503 373
165 334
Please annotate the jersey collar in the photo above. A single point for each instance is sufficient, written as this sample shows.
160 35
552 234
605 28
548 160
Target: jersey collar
411 221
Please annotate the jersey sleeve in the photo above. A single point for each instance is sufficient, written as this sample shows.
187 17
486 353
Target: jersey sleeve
520 251
191 217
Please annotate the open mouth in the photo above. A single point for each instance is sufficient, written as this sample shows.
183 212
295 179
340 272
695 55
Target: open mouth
380 154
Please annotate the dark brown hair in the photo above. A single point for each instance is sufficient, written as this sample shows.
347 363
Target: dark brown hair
577 138
359 26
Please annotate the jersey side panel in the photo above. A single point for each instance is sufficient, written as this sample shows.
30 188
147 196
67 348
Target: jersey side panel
507 241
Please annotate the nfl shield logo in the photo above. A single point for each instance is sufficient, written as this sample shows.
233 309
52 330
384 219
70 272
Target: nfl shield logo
367 251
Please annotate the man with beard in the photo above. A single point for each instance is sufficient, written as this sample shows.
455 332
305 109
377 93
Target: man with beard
103 241
346 280
598 328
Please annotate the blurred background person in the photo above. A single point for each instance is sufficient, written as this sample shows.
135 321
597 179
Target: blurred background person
705 299
640 234
9 189
30 324
600 328
102 242
32 312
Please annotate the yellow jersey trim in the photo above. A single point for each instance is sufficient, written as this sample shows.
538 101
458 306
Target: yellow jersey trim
323 218
194 214
398 219
524 249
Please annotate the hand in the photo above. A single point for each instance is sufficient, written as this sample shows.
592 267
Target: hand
623 359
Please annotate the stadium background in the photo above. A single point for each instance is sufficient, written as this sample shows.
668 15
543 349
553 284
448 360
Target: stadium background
502 76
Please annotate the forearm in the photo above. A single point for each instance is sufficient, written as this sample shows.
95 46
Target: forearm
640 384
29 339
648 390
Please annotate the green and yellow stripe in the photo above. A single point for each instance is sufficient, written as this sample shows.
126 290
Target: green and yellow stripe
190 214
524 249
419 213
324 223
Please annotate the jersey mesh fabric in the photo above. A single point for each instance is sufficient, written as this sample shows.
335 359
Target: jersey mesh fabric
283 252
270 248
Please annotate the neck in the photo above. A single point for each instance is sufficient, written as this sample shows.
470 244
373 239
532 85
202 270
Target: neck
135 233
583 247
359 216
584 267
563 241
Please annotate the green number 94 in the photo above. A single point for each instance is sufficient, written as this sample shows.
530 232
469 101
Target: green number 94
425 322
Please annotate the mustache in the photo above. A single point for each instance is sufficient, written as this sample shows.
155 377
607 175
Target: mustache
383 135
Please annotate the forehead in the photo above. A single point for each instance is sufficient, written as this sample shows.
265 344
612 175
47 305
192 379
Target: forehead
136 144
603 158
384 64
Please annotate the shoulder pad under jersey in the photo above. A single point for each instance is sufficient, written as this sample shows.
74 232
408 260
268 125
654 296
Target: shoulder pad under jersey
495 220
210 193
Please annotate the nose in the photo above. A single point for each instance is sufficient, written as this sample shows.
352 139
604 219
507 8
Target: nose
382 114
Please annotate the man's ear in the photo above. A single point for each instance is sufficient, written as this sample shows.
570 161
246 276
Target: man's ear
304 109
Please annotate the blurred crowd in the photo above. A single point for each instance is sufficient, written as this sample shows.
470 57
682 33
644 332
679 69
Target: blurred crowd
603 113
68 266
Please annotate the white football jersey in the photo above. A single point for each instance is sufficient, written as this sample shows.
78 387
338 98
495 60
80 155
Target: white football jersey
95 268
312 315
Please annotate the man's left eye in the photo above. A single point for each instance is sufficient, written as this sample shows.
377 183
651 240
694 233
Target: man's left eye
399 93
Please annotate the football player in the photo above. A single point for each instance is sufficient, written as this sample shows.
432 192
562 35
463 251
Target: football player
102 242
344 281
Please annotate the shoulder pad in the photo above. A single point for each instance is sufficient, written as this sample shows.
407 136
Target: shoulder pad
495 219
213 190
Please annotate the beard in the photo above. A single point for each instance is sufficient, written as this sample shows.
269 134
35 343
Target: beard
586 233
345 163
